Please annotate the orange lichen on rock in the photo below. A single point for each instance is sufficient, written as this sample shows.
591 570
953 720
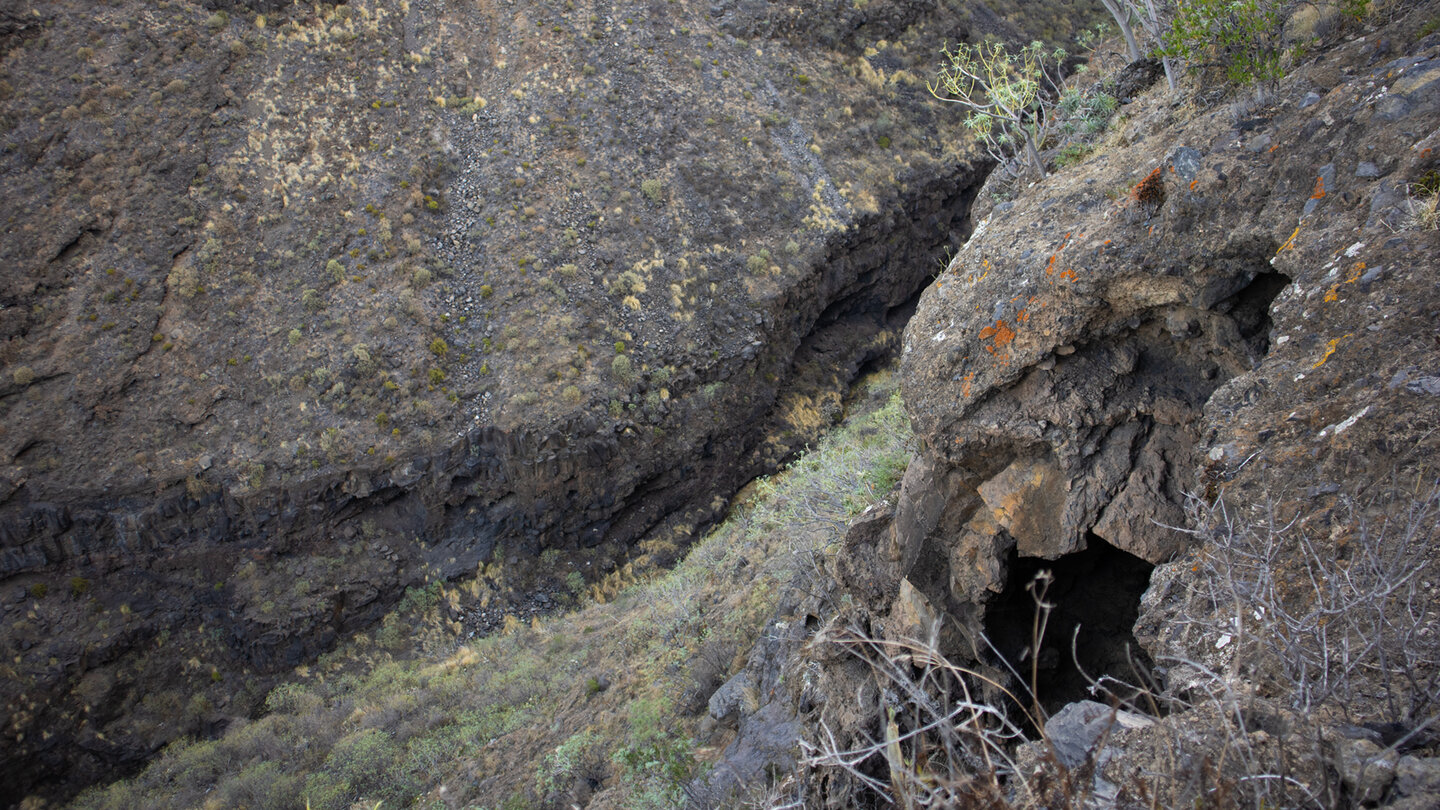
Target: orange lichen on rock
1054 257
1353 275
1329 350
1289 243
1001 333
1319 192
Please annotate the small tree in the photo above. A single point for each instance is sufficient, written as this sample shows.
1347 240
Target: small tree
1010 97
1154 20
1121 11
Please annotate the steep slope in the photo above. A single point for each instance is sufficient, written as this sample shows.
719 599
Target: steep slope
1211 341
308 303
601 707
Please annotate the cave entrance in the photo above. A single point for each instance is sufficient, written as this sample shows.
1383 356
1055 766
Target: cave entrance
1250 307
1097 590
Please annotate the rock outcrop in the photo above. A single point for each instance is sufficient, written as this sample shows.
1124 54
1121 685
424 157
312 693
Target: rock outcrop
1223 318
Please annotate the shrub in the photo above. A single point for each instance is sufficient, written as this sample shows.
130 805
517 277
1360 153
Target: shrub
1086 113
1071 154
563 765
1008 97
1422 198
657 764
1241 36
1355 9
622 369
263 784
652 189
23 375
357 765
1326 619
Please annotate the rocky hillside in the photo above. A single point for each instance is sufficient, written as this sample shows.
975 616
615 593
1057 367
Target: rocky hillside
306 303
1181 396
514 295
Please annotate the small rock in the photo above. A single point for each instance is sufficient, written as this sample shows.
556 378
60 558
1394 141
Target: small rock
1311 99
1366 769
1367 169
1416 776
1424 385
735 695
1074 731
1186 162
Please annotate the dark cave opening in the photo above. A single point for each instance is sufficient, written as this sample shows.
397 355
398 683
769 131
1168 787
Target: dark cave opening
1097 591
1250 308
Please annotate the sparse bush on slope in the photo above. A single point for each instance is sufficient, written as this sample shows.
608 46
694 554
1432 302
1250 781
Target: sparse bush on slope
539 714
1303 632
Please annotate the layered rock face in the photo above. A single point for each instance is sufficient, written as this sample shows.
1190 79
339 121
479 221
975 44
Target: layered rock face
306 304
1227 309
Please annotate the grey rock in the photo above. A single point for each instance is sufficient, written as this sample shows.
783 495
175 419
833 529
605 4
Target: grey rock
730 698
1418 776
768 742
1186 162
1366 769
1311 99
1388 207
1075 730
1425 385
1137 77
1367 169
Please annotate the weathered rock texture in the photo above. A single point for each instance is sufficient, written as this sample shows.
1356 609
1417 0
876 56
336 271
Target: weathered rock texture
1228 302
1089 359
307 303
